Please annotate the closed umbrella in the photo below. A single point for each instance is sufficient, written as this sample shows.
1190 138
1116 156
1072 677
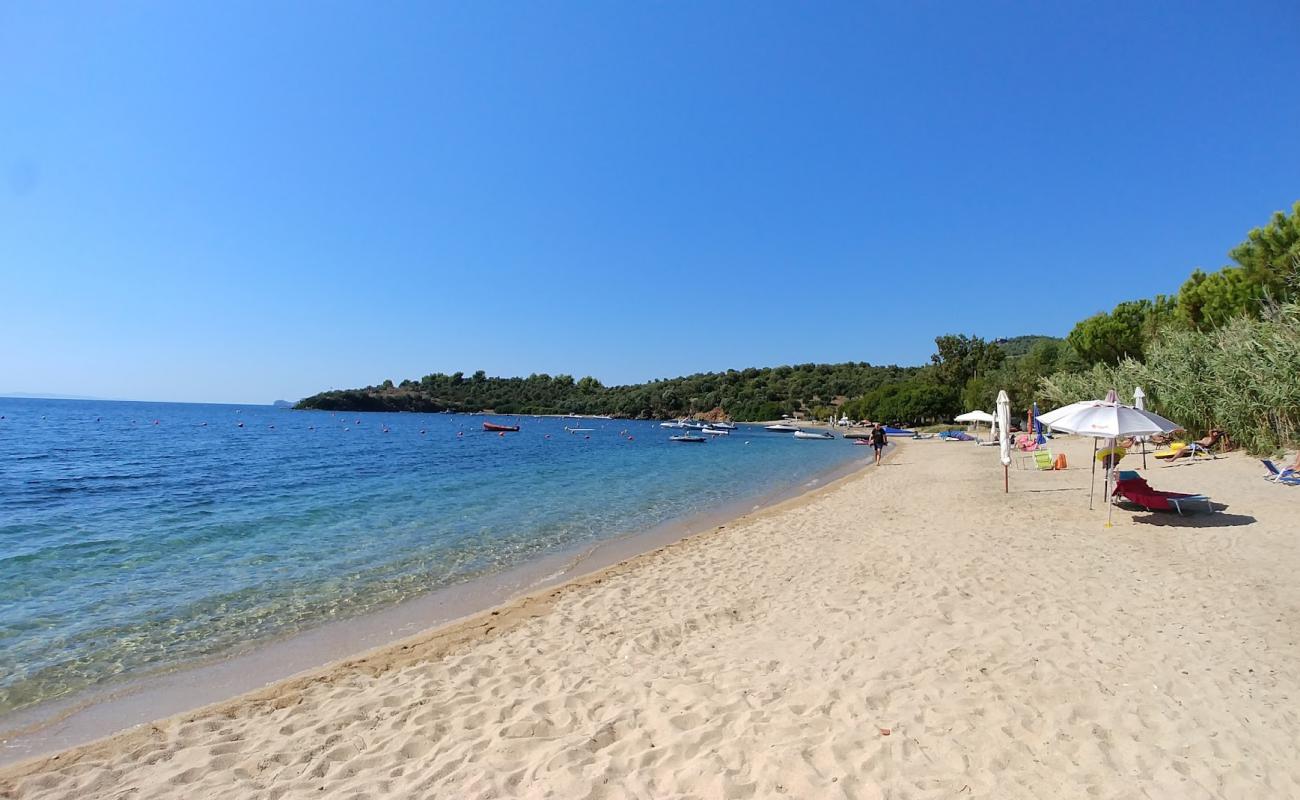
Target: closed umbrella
1107 419
1004 437
1038 426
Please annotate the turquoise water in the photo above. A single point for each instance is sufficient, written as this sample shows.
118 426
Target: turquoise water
137 536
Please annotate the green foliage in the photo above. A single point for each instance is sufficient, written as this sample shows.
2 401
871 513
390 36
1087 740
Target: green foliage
1108 337
1270 256
960 358
1207 301
750 394
1020 346
1240 377
921 399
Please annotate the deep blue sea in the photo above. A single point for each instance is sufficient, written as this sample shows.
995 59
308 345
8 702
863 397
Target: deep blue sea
138 536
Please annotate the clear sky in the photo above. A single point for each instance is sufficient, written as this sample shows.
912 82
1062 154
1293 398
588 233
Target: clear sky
250 201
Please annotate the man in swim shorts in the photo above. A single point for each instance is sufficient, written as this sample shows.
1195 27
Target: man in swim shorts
879 440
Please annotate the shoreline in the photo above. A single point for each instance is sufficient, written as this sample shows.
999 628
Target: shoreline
910 631
98 715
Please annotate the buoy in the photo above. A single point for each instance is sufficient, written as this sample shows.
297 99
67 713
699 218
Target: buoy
422 431
548 436
460 433
502 434
630 439
239 424
272 427
586 437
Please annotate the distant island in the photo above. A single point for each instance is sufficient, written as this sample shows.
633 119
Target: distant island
817 390
282 404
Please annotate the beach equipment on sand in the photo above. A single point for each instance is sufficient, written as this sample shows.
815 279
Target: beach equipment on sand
1106 419
1004 437
1288 476
1134 488
975 417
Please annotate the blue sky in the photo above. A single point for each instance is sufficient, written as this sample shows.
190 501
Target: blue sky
243 202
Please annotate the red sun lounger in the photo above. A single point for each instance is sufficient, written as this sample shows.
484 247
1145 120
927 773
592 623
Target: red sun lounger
1138 492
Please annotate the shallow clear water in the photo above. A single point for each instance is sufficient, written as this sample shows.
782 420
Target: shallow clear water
135 536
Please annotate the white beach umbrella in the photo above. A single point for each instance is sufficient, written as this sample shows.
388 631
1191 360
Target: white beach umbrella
1004 436
1106 419
975 417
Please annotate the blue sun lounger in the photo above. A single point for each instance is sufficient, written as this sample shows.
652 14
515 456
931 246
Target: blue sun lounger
1288 476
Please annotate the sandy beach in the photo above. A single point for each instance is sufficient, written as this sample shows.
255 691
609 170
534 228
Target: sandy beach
907 632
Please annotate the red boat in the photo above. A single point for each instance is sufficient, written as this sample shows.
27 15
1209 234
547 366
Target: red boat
492 426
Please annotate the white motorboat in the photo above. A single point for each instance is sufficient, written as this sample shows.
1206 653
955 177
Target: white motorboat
780 427
725 426
813 435
712 431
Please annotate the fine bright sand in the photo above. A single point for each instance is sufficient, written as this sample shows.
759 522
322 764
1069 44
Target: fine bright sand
909 632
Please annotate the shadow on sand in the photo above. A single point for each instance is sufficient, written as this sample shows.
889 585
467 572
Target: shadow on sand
1195 520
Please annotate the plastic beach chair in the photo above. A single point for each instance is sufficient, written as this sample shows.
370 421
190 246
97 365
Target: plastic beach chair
1288 476
1043 459
1137 491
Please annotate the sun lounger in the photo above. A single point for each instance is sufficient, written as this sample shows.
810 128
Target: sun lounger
1137 491
1288 476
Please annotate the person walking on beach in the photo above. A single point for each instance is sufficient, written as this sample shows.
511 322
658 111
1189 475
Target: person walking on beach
879 440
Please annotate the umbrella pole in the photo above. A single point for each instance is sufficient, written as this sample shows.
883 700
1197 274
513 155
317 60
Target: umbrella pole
1006 482
1110 501
1092 482
1144 452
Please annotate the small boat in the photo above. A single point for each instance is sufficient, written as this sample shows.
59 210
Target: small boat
492 426
673 424
780 427
712 431
578 430
813 435
857 435
866 442
694 426
725 426
687 437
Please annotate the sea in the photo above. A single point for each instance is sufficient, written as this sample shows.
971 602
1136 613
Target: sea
136 538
